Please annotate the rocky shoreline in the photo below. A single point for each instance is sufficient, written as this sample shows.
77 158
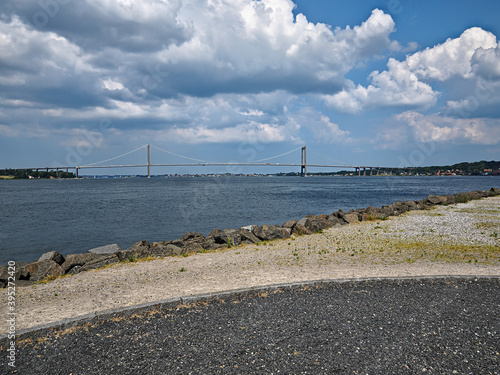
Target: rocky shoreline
53 264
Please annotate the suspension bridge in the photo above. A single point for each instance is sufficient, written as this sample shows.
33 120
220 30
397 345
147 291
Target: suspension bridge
193 162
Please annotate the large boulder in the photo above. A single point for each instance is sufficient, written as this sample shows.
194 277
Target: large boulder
314 224
97 263
351 217
73 260
412 205
300 230
105 250
233 236
138 250
494 191
219 236
334 221
191 242
52 255
271 232
247 237
162 249
4 274
290 224
372 213
40 270
211 244
437 199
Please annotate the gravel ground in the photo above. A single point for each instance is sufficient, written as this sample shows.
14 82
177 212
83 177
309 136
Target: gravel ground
440 326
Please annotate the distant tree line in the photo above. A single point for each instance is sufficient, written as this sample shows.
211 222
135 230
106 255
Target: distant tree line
461 169
474 169
28 173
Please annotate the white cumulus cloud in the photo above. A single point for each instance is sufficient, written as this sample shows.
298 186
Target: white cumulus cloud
408 83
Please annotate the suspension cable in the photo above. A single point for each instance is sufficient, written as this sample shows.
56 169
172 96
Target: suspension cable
181 156
116 157
274 157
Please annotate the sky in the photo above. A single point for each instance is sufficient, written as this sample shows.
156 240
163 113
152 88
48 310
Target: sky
370 82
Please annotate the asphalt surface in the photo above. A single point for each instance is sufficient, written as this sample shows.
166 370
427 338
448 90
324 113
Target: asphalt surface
426 326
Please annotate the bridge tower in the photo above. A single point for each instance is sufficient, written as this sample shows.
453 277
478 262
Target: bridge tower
303 162
149 163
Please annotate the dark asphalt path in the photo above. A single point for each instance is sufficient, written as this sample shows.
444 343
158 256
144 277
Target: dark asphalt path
441 326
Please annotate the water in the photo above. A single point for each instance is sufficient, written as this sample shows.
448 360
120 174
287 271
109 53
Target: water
72 216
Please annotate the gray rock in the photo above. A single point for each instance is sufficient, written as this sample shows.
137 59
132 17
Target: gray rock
304 220
26 271
74 270
300 230
140 245
40 270
53 255
174 250
4 273
233 236
412 205
138 250
372 213
104 250
247 237
73 260
100 262
436 199
161 249
351 218
191 241
211 244
219 236
316 223
339 214
290 224
334 221
271 232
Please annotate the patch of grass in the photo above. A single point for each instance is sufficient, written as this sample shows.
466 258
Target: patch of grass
486 224
461 198
182 269
132 258
48 279
448 252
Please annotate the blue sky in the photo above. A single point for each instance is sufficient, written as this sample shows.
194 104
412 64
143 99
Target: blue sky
383 83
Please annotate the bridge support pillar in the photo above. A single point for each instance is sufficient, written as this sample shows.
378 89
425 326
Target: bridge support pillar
303 162
76 172
364 171
149 163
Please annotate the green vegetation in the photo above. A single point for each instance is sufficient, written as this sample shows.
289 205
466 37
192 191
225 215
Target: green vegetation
460 169
29 173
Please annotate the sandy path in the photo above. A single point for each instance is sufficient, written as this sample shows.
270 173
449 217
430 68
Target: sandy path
461 239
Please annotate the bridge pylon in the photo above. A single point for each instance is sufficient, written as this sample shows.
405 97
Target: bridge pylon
303 162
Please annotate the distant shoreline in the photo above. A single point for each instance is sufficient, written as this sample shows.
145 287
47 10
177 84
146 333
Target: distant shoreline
218 175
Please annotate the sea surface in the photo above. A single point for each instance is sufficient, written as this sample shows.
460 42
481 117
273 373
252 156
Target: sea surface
73 216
